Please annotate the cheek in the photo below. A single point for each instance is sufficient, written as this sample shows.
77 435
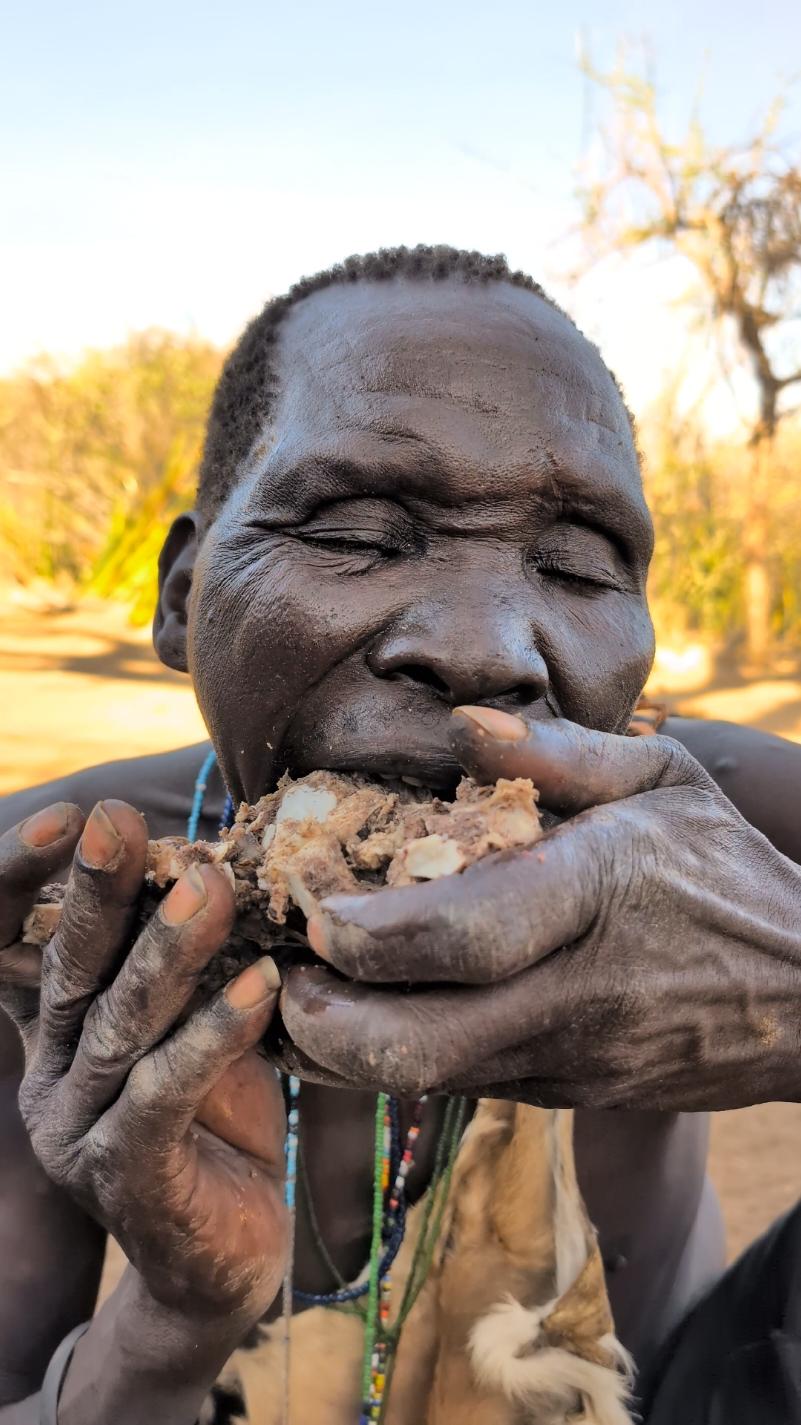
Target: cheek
606 652
262 632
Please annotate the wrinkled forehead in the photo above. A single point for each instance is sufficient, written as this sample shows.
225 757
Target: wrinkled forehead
489 382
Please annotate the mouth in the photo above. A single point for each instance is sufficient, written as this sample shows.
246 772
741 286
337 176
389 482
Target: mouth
403 752
429 775
383 744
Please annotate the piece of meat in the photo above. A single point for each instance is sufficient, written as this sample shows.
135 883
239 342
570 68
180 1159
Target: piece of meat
319 835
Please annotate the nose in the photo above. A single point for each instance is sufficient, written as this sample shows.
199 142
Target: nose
465 658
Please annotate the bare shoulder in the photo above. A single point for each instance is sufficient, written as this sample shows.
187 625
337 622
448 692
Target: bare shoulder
160 786
759 772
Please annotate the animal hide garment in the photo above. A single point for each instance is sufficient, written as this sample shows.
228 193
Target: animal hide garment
513 1325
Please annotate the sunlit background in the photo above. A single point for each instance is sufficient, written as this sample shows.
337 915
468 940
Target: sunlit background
174 164
168 167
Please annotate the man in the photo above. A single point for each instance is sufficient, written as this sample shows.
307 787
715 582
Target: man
420 493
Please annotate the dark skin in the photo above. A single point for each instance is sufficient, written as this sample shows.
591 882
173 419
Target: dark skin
449 514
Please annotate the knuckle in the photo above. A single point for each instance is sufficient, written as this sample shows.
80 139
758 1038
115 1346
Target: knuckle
47 1140
59 1010
64 984
214 1035
410 1061
49 1150
104 1167
30 1100
105 1044
170 955
145 1083
673 763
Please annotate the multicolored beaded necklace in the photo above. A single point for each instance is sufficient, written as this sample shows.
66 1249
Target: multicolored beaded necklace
369 1298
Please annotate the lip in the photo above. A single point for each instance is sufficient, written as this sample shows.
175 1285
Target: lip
413 750
436 771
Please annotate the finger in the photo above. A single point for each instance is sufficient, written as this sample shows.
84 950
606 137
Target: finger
164 1091
572 767
19 986
152 989
403 1043
287 1058
22 968
99 907
542 1037
498 916
530 1038
31 854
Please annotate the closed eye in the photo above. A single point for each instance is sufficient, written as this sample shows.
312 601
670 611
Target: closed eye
349 543
580 555
370 527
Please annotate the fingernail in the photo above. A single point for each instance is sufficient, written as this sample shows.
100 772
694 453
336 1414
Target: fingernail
503 726
101 841
318 936
46 826
256 984
186 898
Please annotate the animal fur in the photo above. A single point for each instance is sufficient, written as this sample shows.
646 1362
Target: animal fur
513 1324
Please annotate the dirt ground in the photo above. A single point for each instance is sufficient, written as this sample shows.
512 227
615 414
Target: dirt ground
80 687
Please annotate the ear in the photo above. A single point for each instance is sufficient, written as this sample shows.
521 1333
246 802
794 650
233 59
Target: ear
176 564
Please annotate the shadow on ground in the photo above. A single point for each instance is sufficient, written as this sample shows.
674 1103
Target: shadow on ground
71 645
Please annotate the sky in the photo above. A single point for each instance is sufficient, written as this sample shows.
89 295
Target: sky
175 164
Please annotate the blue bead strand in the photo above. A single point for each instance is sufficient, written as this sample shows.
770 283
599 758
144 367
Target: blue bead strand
292 1125
353 1293
209 763
291 1151
228 813
395 1224
199 796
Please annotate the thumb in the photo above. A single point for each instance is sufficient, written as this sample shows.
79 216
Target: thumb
572 767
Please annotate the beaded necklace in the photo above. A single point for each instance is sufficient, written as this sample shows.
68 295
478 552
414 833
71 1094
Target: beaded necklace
370 1298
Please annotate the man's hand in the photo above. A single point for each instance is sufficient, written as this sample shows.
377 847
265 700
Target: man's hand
646 953
162 1122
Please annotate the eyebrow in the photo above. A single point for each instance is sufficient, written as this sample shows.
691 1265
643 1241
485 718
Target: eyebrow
393 456
401 455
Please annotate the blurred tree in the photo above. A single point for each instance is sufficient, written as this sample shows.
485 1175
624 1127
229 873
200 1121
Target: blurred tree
735 213
96 460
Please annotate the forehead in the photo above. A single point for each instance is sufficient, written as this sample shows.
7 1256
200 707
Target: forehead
472 385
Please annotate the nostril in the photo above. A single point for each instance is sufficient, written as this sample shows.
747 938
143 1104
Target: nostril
521 696
419 673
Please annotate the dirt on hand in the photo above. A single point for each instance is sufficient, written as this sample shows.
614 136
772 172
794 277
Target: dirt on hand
80 686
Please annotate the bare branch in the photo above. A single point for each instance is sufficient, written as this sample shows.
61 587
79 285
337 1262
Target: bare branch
734 212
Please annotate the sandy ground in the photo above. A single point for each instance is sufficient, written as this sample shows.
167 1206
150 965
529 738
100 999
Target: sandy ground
82 687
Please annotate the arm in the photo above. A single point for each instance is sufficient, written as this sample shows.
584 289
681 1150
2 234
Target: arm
138 1362
159 785
51 1253
760 774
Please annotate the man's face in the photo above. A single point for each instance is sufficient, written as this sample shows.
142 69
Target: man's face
448 510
